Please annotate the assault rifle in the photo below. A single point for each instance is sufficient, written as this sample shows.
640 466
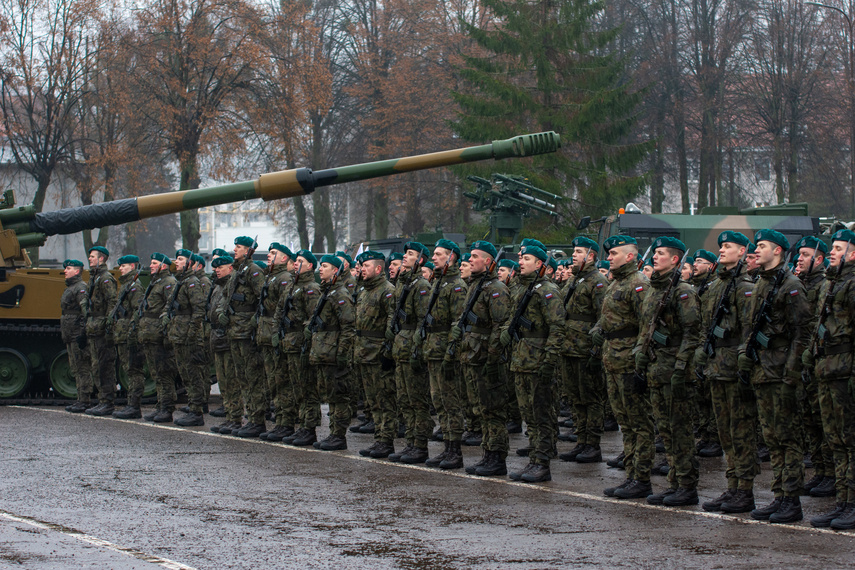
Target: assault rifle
722 308
428 320
571 289
286 322
643 259
468 317
315 323
820 334
756 338
119 311
705 283
518 319
400 313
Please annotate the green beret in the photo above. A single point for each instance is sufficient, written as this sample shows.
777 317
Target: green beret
344 256
773 236
604 264
72 263
184 253
648 262
844 235
429 265
396 256
223 260
219 253
417 247
369 255
246 241
666 241
752 248
196 258
813 242
582 241
449 245
308 256
332 260
535 251
99 249
825 263
486 247
509 263
282 248
465 257
157 256
261 264
128 259
730 236
707 255
618 240
534 242
552 263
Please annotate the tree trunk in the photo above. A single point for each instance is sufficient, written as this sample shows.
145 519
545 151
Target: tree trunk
190 229
302 227
657 190
381 213
778 165
323 222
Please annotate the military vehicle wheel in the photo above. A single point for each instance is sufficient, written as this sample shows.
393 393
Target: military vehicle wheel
61 378
149 388
14 373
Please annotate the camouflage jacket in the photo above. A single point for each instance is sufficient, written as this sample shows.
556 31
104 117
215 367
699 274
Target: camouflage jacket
492 310
73 303
449 305
728 334
304 293
546 337
188 311
349 284
336 334
219 336
375 306
152 305
788 327
677 331
583 309
837 362
813 286
132 290
102 298
204 280
415 307
277 284
241 299
621 316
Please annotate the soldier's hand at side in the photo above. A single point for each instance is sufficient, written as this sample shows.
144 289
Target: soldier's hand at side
597 337
307 333
274 340
418 340
164 321
744 363
641 361
389 334
679 390
701 357
223 319
808 360
253 321
505 338
456 333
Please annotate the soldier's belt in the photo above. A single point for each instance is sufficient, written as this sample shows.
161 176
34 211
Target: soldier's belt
408 327
184 312
479 330
773 343
292 329
370 334
581 317
533 334
151 314
841 348
627 332
324 328
438 329
727 342
243 309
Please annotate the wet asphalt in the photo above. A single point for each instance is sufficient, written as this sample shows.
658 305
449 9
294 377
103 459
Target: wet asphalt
83 492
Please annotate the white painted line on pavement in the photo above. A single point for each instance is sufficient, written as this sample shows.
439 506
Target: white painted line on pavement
94 540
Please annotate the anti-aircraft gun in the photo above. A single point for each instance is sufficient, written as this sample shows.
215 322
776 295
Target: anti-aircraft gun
33 361
509 199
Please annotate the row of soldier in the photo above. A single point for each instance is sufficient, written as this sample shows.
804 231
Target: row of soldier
484 344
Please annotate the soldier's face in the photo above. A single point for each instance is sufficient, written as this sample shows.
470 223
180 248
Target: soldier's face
805 253
394 268
701 267
355 271
271 257
411 256
95 259
371 268
71 271
687 272
529 264
839 250
440 256
647 270
240 252
730 253
605 272
289 264
155 266
766 254
427 272
303 266
504 274
222 271
479 261
465 270
126 268
663 261
581 255
326 271
751 261
181 263
621 255
345 266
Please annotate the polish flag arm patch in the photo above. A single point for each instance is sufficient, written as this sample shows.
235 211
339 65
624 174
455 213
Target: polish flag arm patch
639 289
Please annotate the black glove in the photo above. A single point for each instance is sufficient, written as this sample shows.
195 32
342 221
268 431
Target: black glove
82 341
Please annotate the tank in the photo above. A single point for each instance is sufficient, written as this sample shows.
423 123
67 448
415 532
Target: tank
33 362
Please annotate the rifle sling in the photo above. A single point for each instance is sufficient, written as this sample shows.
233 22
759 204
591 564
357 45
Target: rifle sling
370 333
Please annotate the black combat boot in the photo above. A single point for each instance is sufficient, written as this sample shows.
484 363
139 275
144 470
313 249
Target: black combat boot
824 520
219 412
77 407
437 435
742 502
846 520
659 498
362 422
824 489
660 444
485 457
128 413
610 491
332 443
537 474
383 450
517 475
367 427
224 425
415 455
149 417
524 451
454 459
715 504
711 450
495 465
191 419
279 432
681 498
661 468
617 462
163 417
513 427
813 482
571 455
437 459
101 410
396 457
592 454
289 439
635 490
250 430
474 440
790 511
308 437
763 513
569 436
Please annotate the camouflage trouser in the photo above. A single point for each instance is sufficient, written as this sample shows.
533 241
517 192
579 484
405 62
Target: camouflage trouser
81 366
249 370
279 383
512 409
161 367
815 442
191 360
736 428
707 427
523 395
632 412
838 419
472 409
304 385
584 388
336 384
229 388
674 419
133 361
414 403
777 411
357 392
541 403
448 396
380 391
103 354
494 400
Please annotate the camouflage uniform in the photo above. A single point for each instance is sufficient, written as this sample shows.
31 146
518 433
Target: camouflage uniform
777 376
74 304
125 337
833 371
239 303
375 306
679 322
207 287
184 332
736 418
412 386
582 373
224 365
513 406
619 323
706 420
151 336
102 351
540 344
277 284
